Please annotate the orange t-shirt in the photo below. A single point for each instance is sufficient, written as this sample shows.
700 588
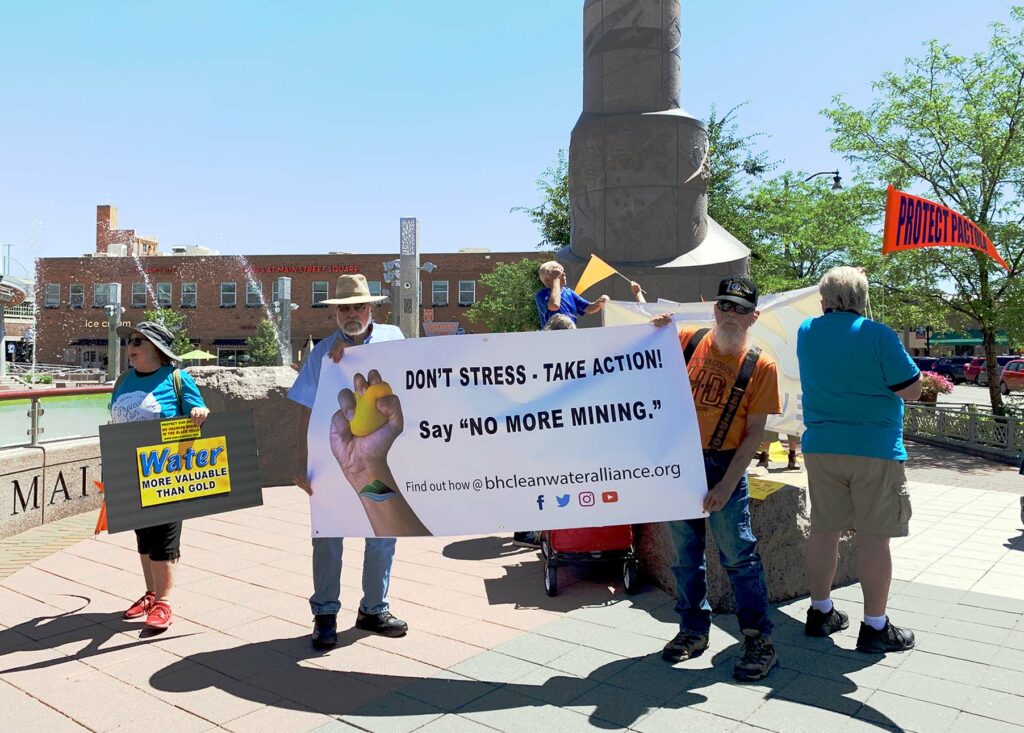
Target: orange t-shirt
712 376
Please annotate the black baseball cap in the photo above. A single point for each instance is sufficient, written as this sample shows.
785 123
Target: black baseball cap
738 289
158 334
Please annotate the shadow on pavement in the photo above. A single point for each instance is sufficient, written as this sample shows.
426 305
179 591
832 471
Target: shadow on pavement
620 692
483 548
70 627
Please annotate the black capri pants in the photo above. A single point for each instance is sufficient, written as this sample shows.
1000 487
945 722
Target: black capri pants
162 542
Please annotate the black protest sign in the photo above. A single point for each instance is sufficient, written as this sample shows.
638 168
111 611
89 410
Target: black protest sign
161 471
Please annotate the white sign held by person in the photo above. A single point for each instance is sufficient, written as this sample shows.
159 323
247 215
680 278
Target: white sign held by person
775 332
503 432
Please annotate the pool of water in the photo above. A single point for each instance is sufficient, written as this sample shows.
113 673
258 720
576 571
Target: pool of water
64 417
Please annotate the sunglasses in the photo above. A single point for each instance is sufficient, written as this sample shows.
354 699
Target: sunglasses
137 341
727 305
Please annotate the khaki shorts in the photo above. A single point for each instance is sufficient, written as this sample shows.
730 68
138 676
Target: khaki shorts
855 492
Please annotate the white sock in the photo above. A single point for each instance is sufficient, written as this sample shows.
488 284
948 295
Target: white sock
824 606
875 622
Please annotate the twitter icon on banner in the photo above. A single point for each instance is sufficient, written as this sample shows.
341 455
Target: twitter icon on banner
563 500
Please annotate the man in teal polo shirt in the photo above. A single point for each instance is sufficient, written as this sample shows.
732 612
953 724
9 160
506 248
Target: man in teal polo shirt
855 375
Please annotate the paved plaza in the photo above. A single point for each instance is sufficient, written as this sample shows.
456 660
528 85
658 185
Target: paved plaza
488 650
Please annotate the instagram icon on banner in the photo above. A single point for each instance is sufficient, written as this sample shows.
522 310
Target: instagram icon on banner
586 498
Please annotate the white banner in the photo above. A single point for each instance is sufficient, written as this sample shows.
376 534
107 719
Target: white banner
502 432
775 332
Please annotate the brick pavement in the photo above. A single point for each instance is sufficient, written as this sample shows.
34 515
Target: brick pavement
489 650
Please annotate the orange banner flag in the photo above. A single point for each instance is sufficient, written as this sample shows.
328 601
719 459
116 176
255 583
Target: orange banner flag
101 520
595 271
912 222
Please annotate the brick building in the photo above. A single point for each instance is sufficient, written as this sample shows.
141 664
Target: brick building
226 296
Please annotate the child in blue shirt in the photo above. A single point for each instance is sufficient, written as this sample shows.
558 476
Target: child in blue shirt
554 297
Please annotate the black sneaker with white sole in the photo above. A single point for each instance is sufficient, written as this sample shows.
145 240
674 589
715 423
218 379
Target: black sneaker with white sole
889 639
820 623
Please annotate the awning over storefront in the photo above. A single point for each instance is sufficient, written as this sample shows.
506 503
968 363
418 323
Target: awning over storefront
970 337
229 342
89 342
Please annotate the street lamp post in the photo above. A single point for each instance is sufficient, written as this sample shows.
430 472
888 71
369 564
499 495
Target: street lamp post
837 180
113 311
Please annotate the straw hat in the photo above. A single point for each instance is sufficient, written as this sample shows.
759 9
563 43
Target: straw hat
352 290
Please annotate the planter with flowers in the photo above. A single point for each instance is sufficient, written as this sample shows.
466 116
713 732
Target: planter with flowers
932 385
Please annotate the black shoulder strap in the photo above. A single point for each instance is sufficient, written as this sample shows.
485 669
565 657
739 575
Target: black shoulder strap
733 405
695 340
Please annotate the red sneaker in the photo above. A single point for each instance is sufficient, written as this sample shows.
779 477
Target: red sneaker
160 616
141 607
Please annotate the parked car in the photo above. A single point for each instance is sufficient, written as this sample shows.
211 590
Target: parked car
952 368
1001 361
925 363
972 370
1011 379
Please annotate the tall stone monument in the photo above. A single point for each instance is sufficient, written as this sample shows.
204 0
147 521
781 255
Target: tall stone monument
638 163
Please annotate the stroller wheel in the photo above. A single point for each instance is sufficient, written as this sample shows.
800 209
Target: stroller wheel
629 571
551 578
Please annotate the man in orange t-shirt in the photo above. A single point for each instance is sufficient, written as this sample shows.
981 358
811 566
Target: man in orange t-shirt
714 367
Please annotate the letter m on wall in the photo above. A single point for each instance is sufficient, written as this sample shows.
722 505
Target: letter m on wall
19 496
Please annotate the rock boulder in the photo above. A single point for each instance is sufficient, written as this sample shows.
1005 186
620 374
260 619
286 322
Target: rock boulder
781 523
264 390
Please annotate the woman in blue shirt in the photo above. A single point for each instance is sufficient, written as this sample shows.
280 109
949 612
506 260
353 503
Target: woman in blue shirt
152 389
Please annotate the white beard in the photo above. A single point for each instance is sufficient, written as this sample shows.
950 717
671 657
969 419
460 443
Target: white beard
729 340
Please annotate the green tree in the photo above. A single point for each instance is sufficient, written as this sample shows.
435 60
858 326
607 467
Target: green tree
509 305
952 128
799 229
263 346
552 214
176 323
735 165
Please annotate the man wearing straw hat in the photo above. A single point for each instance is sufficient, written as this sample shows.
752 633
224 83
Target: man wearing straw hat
354 318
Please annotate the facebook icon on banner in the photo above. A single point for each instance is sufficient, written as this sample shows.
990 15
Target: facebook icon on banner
540 501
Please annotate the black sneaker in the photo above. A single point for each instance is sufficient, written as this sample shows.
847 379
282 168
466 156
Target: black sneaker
824 624
382 623
890 639
685 645
758 657
325 631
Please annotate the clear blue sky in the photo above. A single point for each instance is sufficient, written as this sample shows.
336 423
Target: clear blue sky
271 127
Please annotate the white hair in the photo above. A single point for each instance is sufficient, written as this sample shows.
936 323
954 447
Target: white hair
844 288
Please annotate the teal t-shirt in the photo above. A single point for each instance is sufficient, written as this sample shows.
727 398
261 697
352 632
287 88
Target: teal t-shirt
850 367
151 396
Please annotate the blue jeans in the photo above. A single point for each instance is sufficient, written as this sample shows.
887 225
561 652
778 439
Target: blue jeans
737 548
380 551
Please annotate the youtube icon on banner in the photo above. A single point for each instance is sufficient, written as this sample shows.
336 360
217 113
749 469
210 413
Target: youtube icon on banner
609 497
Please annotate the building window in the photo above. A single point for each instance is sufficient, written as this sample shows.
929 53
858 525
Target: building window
253 295
138 295
319 293
100 295
439 293
77 296
163 295
232 357
375 287
227 295
53 295
467 292
188 295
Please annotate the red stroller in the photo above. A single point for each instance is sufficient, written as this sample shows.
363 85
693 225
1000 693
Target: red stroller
592 544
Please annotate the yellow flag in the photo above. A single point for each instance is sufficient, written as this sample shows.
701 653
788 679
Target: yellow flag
596 271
